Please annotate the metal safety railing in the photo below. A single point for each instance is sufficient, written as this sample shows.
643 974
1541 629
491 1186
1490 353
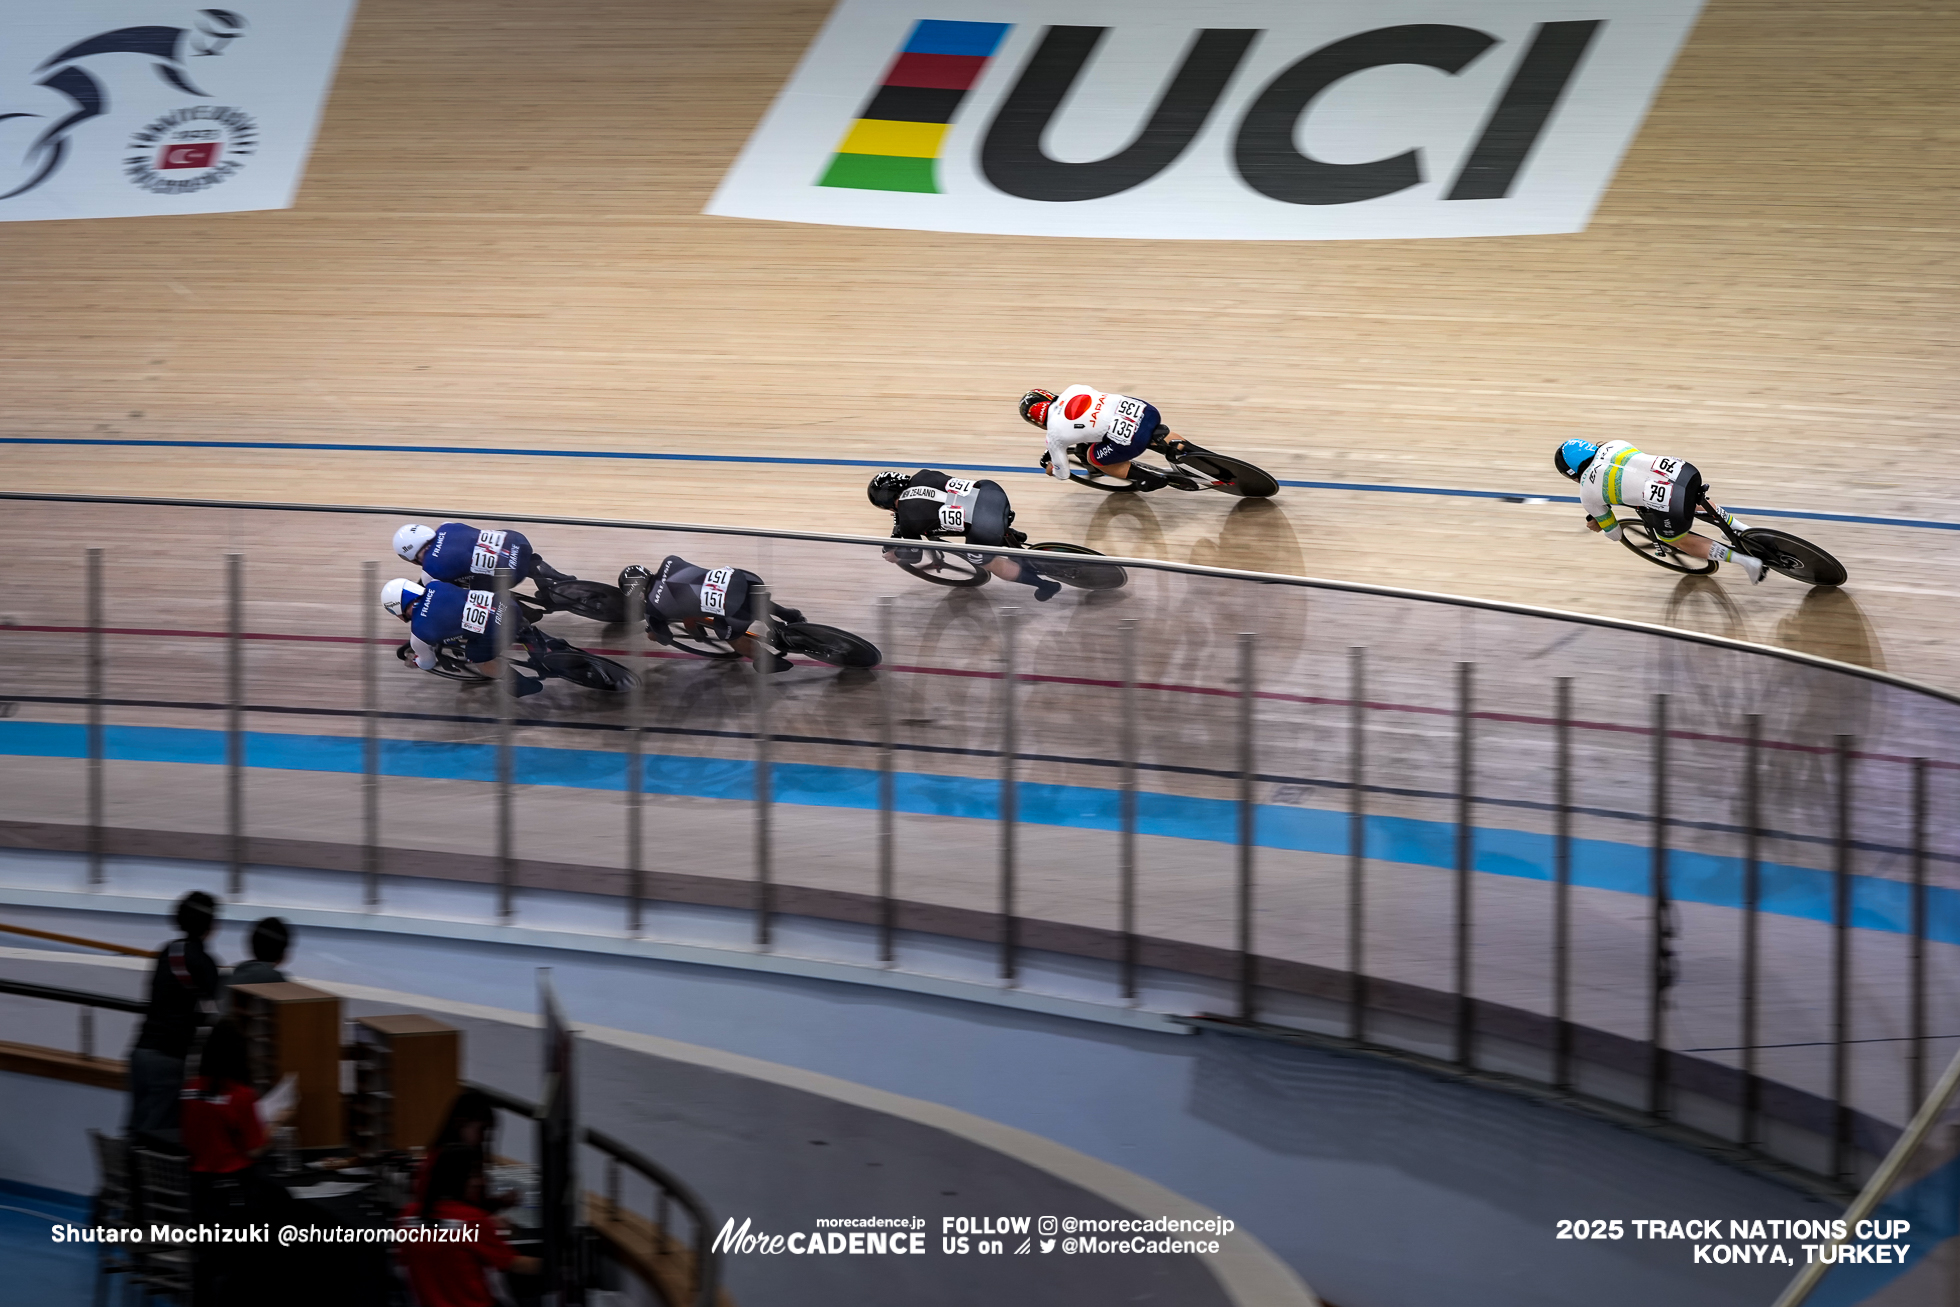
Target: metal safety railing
1590 855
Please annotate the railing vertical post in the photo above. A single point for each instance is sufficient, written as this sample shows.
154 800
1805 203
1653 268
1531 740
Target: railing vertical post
370 739
1248 831
1660 978
1916 1081
97 837
765 888
1010 747
1127 798
235 721
506 616
1465 861
633 600
88 1033
1752 894
1562 883
887 790
1841 968
1357 837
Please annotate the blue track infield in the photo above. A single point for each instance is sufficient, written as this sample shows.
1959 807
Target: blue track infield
1877 903
1916 523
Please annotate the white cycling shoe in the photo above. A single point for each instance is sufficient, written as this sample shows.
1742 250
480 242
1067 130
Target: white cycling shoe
1752 566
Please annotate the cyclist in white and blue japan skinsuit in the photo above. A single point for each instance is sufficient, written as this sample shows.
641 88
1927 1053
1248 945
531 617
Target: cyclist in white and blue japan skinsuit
1661 491
463 555
1116 428
460 621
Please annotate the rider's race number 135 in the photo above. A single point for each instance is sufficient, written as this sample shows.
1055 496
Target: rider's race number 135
477 608
489 550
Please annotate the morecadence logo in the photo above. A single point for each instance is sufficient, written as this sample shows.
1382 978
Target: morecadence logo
1275 121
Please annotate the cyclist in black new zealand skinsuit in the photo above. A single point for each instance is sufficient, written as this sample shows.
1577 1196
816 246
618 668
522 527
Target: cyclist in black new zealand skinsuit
929 505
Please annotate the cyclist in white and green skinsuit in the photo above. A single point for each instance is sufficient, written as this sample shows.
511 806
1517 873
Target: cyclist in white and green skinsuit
1662 491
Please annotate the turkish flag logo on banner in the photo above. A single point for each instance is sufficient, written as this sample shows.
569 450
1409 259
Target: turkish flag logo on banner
198 154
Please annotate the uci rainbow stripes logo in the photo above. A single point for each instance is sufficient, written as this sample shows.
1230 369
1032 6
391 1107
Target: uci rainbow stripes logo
896 139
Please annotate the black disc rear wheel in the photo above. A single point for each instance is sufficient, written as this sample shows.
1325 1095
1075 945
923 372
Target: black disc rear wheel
1083 576
1231 476
1794 557
588 670
944 567
1638 537
829 644
593 600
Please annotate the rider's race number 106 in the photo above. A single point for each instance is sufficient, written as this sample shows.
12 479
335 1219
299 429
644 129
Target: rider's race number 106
477 607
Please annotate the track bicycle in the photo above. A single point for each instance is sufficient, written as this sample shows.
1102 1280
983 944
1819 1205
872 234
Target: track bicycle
558 660
1781 552
1196 468
967 568
825 644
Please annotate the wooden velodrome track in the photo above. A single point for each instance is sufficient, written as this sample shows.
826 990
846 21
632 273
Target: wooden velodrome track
500 243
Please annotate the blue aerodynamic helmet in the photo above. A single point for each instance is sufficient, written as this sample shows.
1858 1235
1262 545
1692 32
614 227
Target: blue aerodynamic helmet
1571 458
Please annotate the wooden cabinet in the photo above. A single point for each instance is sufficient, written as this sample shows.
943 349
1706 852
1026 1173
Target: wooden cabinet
295 1029
406 1070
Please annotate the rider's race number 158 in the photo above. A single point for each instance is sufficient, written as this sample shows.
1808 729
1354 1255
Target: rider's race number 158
1591 1230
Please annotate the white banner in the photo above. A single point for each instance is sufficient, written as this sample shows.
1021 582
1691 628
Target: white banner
124 108
1231 120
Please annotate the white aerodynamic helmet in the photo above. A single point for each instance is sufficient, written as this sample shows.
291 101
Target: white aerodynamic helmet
410 539
399 595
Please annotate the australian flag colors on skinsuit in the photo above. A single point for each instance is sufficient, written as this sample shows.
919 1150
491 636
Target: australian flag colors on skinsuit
895 141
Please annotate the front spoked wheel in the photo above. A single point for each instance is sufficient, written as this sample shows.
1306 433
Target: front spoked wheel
1794 557
944 567
1083 576
1638 537
828 644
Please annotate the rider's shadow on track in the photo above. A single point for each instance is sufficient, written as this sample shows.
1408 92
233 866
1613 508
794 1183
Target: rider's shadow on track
1701 603
1830 624
1126 525
1254 537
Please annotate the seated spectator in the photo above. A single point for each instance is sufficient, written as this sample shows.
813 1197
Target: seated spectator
272 939
224 1137
183 994
458 1274
472 1120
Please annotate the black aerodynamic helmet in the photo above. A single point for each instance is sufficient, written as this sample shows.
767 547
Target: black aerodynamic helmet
885 488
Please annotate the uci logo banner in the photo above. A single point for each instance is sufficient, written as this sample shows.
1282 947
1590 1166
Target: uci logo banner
1232 120
123 108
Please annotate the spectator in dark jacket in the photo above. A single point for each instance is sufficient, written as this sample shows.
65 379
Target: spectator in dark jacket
271 940
183 993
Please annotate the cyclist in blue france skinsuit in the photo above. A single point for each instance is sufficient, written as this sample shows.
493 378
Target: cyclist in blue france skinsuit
461 554
450 618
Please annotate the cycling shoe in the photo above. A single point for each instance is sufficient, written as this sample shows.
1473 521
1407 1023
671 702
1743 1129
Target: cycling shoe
1046 590
772 661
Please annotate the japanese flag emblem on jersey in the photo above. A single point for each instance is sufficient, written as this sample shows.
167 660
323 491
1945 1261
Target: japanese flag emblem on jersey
489 548
714 591
477 608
